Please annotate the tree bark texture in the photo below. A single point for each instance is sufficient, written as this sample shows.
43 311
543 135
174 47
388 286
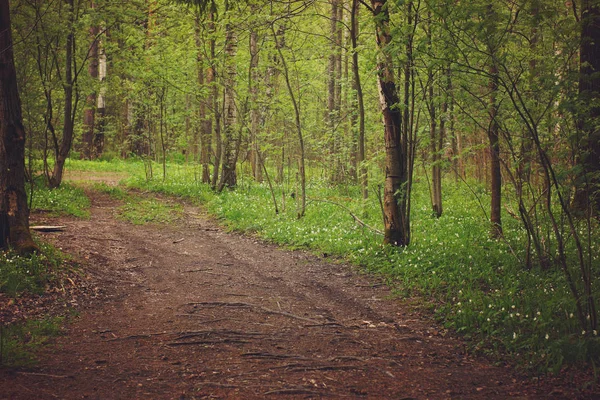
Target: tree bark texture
230 144
363 173
494 147
62 148
255 108
14 212
396 223
587 196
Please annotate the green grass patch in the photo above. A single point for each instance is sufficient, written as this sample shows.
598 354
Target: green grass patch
139 210
67 199
115 192
19 342
29 273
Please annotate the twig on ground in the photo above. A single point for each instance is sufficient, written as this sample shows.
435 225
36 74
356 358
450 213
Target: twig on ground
358 220
44 375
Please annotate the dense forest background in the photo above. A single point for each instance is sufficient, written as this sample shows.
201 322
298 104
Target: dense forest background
397 106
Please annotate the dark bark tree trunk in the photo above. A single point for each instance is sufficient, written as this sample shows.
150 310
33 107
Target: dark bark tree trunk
301 166
360 160
493 131
395 199
331 116
14 211
587 195
494 148
255 108
62 149
230 143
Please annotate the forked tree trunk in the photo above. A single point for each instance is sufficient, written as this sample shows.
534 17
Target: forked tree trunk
62 149
14 212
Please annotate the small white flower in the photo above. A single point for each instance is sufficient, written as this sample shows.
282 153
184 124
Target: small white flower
595 332
547 336
514 335
571 315
583 332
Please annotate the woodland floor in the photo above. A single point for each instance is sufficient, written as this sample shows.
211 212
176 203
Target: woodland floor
189 311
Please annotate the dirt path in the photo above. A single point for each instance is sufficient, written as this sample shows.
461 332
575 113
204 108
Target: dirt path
194 312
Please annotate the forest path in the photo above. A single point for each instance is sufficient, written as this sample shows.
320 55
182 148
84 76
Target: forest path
193 312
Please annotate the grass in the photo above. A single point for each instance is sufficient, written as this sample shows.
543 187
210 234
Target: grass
19 342
28 273
475 285
139 211
64 200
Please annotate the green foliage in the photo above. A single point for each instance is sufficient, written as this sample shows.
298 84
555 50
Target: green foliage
64 200
19 342
28 273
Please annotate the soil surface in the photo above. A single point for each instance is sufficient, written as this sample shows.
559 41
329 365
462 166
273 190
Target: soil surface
192 312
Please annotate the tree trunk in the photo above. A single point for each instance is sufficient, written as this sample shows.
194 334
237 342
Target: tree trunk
101 105
494 148
331 116
395 199
254 107
587 196
494 127
89 113
62 150
230 143
14 212
301 167
360 160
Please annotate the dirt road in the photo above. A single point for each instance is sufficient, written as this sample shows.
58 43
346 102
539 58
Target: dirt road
192 312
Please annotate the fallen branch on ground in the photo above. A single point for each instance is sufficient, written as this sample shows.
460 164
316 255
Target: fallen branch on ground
358 220
48 228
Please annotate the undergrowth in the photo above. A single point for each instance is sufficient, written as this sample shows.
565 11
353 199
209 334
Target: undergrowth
29 273
477 285
67 199
19 342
